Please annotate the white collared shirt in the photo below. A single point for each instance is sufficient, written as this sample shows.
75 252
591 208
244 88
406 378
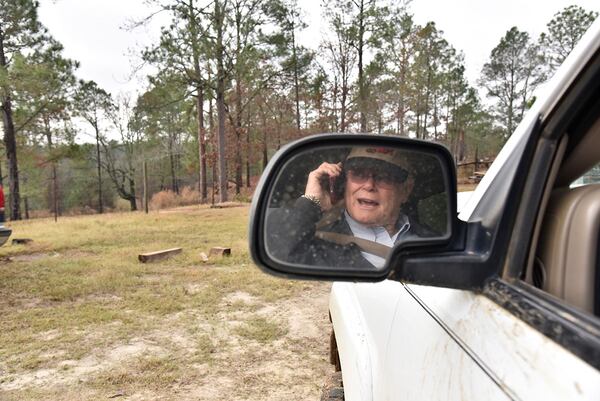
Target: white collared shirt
376 234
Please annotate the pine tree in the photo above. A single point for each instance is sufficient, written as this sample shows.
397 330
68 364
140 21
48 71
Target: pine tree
20 31
564 31
510 76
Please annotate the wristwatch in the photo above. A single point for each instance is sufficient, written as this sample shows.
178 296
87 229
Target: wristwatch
313 199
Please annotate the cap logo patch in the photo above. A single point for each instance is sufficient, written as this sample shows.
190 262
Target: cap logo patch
385 151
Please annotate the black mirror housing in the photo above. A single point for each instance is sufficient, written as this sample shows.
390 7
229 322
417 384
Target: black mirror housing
419 176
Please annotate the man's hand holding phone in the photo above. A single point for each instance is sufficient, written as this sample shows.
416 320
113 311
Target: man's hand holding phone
326 172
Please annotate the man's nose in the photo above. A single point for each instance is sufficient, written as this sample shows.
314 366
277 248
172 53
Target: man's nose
370 182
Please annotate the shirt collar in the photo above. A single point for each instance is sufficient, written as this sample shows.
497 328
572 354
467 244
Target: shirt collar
378 234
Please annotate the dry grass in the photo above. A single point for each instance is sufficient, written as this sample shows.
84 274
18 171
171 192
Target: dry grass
262 330
83 319
168 199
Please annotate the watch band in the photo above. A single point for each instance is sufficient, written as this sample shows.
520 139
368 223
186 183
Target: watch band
313 199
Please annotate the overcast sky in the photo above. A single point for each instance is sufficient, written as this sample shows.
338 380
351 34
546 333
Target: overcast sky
92 30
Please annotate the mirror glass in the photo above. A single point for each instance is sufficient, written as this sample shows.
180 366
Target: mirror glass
348 207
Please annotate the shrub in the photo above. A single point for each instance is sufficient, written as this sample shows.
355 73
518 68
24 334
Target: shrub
189 196
38 214
167 198
122 205
242 197
163 200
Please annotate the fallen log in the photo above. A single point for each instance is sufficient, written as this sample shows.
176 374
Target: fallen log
219 251
158 255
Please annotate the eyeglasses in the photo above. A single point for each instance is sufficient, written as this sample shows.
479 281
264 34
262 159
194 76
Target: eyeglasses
382 179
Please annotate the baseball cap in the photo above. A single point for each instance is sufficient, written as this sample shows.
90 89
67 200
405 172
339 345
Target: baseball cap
380 158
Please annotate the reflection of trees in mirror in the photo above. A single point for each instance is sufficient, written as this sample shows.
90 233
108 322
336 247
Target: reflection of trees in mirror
385 195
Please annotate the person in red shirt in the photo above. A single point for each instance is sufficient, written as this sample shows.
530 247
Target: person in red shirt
1 204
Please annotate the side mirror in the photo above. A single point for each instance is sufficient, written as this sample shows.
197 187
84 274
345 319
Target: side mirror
347 207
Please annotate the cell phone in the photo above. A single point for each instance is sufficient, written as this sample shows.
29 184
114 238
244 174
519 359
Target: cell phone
333 193
334 186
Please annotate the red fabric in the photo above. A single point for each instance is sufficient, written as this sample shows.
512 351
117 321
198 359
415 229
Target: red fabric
1 198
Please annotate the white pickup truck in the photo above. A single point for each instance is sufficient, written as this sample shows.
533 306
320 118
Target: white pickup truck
498 302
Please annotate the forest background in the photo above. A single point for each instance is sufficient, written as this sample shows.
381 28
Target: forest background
231 84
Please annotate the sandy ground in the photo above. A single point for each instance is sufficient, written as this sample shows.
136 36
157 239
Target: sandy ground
292 367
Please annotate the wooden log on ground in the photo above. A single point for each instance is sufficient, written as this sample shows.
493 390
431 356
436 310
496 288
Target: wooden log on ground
219 251
21 241
158 255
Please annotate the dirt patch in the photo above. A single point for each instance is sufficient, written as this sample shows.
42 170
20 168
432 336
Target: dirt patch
218 363
240 296
49 335
74 371
30 257
290 368
102 298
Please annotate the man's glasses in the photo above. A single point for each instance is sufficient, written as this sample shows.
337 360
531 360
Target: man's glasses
381 179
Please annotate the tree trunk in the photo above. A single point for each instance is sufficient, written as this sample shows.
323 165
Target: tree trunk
214 180
435 116
343 109
220 54
222 157
26 206
238 106
362 101
99 169
55 191
264 150
145 184
213 158
461 146
10 145
296 85
238 138
265 158
279 129
426 109
402 101
53 187
193 25
248 154
334 104
201 144
132 200
174 186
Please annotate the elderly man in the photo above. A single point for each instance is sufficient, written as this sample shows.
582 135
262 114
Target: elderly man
362 228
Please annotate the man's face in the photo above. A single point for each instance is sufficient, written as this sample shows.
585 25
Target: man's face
373 197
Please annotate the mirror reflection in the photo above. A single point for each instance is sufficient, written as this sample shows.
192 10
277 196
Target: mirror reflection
349 207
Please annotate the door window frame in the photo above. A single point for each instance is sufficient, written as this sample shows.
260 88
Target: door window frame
573 329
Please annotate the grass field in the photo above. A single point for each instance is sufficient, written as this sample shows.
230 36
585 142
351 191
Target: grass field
83 319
